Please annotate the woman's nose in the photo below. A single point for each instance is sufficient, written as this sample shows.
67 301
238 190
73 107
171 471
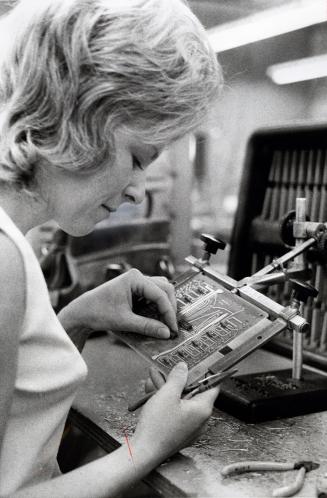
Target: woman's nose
135 192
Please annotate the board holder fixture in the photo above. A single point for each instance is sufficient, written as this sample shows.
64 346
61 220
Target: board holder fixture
222 320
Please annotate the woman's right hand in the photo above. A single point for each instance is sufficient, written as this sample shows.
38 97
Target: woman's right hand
168 423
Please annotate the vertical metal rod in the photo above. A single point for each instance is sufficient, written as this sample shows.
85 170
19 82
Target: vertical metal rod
254 263
301 175
267 203
266 209
297 352
323 339
293 177
323 202
300 214
275 188
289 178
284 194
316 193
316 308
309 181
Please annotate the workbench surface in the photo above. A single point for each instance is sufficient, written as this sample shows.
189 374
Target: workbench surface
117 374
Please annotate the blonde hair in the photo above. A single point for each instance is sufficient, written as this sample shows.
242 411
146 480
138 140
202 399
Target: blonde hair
72 71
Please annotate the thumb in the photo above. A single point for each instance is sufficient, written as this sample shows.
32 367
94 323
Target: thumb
145 326
177 379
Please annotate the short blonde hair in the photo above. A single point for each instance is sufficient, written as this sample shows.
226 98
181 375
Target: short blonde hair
73 71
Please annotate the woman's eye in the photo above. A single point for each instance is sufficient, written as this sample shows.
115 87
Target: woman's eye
137 164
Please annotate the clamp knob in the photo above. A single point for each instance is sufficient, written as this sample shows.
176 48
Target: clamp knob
211 245
302 290
318 253
286 228
322 245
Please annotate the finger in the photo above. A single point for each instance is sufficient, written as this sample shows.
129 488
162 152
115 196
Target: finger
157 378
177 379
151 291
167 287
146 326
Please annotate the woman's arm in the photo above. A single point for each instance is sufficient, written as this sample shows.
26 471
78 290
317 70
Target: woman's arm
12 305
74 326
167 423
103 478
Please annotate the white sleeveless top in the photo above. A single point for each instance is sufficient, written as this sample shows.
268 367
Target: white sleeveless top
49 370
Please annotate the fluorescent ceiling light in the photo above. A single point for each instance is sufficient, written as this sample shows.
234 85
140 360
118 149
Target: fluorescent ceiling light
305 69
271 22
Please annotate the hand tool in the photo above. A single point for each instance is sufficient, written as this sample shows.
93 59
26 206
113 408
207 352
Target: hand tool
254 466
207 383
191 390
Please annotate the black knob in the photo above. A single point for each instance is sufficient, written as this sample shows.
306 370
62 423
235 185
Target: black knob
318 253
286 228
211 245
302 290
322 245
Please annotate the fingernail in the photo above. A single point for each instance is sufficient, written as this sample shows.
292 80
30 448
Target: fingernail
182 365
164 333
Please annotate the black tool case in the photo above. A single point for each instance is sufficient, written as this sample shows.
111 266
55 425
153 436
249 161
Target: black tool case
282 164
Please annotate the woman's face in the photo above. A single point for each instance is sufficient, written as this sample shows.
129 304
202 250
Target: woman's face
77 201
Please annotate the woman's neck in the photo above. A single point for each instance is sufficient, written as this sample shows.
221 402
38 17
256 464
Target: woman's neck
25 210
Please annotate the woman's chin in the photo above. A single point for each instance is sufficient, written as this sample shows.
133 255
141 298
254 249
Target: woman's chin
78 231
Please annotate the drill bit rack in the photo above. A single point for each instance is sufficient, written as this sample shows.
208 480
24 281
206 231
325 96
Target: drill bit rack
283 165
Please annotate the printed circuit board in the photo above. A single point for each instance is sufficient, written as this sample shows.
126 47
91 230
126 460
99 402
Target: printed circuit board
212 322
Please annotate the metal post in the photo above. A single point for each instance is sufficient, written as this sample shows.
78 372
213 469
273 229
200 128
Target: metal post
300 216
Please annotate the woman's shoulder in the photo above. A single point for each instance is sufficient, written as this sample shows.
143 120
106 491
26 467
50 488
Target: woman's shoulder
12 285
12 306
11 261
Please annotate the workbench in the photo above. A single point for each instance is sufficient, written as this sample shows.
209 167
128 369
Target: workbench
117 375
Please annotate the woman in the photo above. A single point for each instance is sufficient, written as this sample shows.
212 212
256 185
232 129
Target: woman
90 93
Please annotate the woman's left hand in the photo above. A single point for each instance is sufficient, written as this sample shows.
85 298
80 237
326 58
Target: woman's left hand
109 306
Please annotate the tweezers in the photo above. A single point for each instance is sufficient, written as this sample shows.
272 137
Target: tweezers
191 390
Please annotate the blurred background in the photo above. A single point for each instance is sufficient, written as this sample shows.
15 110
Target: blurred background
253 40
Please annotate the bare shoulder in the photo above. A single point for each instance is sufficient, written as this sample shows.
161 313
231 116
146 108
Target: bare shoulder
12 286
12 310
